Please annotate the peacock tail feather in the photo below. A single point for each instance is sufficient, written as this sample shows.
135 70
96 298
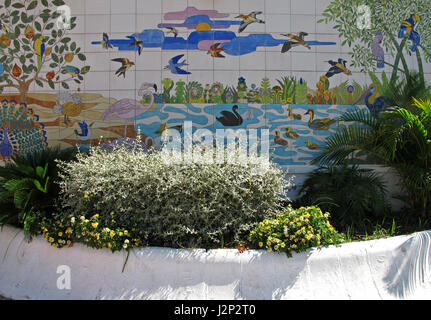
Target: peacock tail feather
20 130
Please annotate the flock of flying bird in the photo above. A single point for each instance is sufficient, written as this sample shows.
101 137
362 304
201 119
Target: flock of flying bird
215 50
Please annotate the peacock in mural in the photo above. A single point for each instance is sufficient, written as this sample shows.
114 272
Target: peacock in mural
20 130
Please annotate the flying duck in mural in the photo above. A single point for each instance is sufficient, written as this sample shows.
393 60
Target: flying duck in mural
249 19
215 50
125 65
175 66
230 119
295 40
338 67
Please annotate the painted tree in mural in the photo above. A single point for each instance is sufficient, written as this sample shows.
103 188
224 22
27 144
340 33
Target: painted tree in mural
375 28
34 46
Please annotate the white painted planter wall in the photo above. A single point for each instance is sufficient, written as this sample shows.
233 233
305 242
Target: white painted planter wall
395 268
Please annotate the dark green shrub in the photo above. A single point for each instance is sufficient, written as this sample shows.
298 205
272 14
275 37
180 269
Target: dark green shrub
355 197
29 189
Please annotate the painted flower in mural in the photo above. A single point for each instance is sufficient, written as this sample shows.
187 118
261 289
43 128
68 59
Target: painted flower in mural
216 89
358 23
33 41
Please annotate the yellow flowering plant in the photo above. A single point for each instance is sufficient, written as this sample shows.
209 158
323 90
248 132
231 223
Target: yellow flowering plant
295 230
65 230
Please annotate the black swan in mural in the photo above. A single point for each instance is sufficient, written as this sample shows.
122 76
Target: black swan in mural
230 119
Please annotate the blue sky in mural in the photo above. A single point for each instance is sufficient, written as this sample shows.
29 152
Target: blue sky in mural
233 45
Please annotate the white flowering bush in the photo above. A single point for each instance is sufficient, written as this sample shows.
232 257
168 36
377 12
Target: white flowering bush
174 203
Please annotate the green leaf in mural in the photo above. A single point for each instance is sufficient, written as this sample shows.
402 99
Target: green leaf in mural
65 40
49 26
82 57
51 84
37 26
65 85
39 83
58 3
18 5
7 3
32 5
45 3
85 70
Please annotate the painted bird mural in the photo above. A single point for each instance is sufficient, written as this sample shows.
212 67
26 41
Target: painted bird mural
215 50
105 42
74 71
230 119
249 19
39 49
175 66
338 67
295 40
136 43
126 64
293 116
318 124
291 134
20 131
85 133
278 140
377 50
3 28
129 108
173 31
408 26
1 68
374 104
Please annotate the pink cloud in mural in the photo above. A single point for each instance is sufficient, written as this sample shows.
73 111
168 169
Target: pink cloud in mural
192 11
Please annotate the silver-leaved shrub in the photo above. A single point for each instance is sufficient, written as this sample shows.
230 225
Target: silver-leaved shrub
176 203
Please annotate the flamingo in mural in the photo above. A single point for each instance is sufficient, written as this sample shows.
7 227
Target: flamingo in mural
129 108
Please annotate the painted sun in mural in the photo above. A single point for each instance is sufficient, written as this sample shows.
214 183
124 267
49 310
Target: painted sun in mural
203 26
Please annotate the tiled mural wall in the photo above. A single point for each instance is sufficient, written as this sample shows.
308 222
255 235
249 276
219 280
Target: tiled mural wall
129 66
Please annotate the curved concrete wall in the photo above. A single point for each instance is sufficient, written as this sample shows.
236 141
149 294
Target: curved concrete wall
395 268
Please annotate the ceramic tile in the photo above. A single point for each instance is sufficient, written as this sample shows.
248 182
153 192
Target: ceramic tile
174 5
253 61
97 23
123 6
123 23
303 6
302 61
147 21
97 80
227 6
149 7
278 23
247 6
97 6
277 7
77 7
277 61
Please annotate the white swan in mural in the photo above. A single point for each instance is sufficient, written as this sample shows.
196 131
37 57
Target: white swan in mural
129 108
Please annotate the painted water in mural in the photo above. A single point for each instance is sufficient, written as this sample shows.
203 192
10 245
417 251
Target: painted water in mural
299 113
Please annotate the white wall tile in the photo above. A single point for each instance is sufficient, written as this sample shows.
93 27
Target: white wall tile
97 6
303 6
123 6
